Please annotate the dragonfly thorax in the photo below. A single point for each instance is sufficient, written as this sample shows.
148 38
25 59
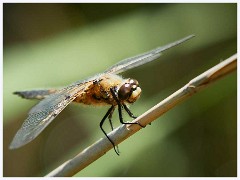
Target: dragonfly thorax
100 92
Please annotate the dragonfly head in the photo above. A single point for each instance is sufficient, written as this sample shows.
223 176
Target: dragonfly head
129 91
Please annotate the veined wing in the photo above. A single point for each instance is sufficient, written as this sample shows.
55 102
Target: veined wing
44 112
138 60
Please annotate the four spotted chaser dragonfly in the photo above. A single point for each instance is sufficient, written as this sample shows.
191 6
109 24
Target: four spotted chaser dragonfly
106 88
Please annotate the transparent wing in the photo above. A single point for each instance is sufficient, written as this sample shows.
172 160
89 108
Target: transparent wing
135 61
44 112
35 94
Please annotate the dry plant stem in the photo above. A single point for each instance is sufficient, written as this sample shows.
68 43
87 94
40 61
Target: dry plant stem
96 150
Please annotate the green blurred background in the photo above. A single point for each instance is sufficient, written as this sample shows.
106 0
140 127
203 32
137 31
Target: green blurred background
53 45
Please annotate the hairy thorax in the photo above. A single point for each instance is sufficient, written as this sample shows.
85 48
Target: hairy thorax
98 92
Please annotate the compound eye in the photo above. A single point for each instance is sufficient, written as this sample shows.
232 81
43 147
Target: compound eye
133 82
125 91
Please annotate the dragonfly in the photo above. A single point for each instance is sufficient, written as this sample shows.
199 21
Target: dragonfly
107 88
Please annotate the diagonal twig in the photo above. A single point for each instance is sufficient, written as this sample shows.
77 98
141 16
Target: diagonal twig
99 148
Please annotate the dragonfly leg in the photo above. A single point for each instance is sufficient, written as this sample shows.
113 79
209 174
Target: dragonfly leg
109 113
111 124
128 111
114 94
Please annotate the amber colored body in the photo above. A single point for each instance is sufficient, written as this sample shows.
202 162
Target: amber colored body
106 88
95 92
98 92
